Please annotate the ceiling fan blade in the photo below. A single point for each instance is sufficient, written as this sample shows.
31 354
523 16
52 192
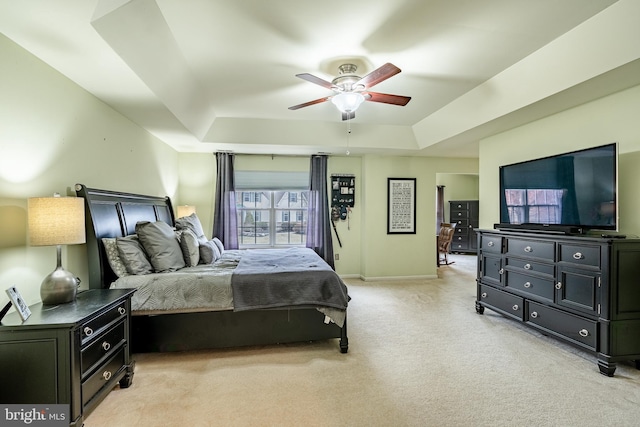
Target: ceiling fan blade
378 75
316 80
386 98
348 116
314 102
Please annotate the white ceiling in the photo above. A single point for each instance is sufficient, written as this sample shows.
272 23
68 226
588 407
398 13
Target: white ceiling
205 75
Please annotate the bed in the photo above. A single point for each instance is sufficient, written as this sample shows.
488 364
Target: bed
244 322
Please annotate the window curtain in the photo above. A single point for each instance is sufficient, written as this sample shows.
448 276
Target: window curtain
319 221
225 219
439 207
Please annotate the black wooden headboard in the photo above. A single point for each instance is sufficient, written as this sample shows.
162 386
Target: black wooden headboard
115 214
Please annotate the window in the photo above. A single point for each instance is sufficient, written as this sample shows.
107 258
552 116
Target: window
265 218
536 206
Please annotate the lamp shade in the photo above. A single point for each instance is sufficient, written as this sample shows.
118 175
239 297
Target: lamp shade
348 101
186 210
56 221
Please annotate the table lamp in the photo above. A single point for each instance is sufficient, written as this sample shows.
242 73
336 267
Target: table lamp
57 221
185 210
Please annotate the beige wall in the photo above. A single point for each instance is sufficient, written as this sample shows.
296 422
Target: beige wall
610 119
53 135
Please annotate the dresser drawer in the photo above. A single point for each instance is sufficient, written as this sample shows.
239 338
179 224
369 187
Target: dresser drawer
94 327
532 285
460 243
460 223
102 346
530 248
588 256
459 206
459 214
103 376
575 328
510 305
491 243
531 266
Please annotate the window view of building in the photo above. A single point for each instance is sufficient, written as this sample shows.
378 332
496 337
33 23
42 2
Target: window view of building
272 218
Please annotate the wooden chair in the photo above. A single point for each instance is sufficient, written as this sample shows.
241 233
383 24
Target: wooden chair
445 237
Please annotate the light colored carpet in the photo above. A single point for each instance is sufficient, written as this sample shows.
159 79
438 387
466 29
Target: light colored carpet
419 356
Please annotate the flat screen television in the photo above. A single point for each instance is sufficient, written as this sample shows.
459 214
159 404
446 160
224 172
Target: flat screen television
574 191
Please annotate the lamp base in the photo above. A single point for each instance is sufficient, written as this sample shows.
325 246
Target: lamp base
59 287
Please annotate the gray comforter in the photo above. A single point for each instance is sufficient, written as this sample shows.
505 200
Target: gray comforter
243 280
293 277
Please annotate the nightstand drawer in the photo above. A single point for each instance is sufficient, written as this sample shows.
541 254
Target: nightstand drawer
103 376
94 327
102 346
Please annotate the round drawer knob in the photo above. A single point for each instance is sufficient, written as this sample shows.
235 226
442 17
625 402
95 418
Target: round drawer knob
528 249
106 346
122 310
484 295
88 331
584 333
534 314
501 271
106 375
558 285
490 244
577 255
515 307
527 284
527 266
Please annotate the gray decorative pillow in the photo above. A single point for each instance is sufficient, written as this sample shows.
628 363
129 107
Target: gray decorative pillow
133 256
191 222
209 252
190 247
161 245
113 256
219 245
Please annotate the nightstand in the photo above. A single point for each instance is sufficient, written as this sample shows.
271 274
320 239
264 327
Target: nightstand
72 353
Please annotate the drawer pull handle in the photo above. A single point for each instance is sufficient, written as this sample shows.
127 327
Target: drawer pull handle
515 307
558 285
490 244
577 255
484 295
122 310
459 213
584 333
527 284
106 346
527 266
88 331
528 249
501 271
534 314
106 375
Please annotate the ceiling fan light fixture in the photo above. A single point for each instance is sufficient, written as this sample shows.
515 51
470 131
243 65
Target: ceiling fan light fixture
348 101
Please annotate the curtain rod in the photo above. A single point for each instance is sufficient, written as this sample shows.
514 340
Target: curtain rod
274 155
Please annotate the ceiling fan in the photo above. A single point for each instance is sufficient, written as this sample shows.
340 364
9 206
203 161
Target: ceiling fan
352 90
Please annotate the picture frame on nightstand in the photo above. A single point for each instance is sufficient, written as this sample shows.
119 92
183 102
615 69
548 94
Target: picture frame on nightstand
18 302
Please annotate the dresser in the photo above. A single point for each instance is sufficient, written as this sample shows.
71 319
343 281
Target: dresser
464 214
582 290
73 353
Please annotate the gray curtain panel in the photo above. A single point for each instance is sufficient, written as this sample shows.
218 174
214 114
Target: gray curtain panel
319 222
225 220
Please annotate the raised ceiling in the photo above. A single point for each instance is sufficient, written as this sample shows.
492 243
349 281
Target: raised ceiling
207 75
